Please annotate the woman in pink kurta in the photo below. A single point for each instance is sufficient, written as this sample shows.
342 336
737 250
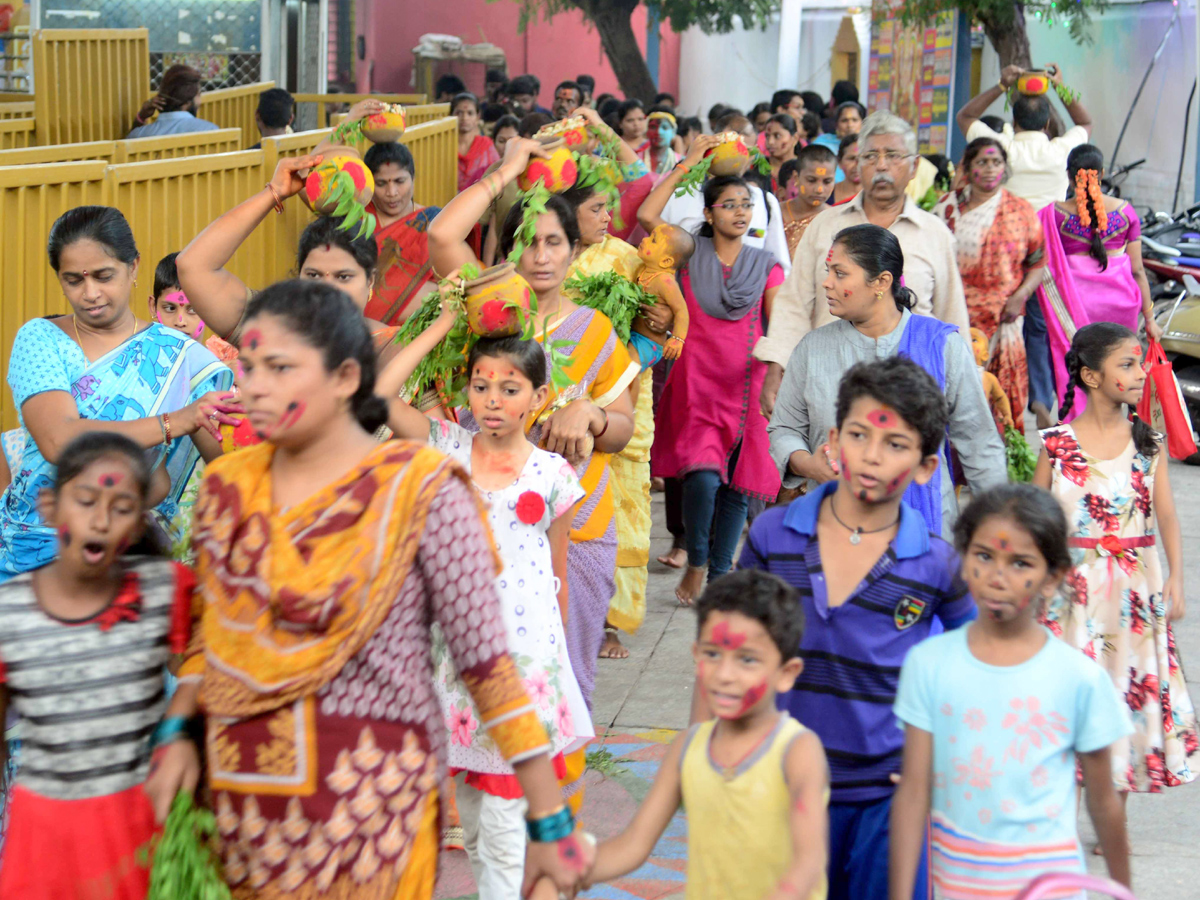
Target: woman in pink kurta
710 431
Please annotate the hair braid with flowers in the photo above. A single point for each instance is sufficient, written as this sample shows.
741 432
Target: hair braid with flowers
1090 347
1084 165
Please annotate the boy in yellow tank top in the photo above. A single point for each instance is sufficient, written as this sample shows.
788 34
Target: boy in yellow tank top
753 780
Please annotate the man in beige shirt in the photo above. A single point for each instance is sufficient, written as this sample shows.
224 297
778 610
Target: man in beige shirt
887 159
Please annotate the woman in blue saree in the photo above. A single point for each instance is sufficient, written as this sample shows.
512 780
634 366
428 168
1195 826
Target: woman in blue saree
103 369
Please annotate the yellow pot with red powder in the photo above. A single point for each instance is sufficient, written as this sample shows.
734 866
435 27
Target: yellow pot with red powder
573 131
495 301
730 156
386 126
557 173
325 188
1033 83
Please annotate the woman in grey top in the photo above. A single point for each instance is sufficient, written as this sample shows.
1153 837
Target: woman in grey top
864 290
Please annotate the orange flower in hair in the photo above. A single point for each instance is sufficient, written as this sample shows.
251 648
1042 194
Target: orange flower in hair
1087 185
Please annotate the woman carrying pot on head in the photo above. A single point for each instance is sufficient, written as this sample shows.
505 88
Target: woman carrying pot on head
322 558
1001 257
585 422
710 431
864 289
630 468
72 374
404 274
1093 263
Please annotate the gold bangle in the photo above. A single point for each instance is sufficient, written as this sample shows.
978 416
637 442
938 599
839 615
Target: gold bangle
166 425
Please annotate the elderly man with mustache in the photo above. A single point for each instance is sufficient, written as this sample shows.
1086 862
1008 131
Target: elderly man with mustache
887 161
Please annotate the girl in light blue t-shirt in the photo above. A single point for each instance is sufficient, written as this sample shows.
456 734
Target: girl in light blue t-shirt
996 714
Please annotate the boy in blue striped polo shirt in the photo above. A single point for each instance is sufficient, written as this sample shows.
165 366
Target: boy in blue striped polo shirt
872 580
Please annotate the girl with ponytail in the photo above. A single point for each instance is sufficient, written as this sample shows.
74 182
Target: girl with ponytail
1093 263
1105 470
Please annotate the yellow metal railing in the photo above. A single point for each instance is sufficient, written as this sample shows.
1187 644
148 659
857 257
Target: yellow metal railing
235 108
344 101
16 133
167 202
21 110
174 146
415 115
90 82
171 146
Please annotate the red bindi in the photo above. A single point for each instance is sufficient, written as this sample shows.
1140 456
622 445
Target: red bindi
252 338
110 479
880 418
726 637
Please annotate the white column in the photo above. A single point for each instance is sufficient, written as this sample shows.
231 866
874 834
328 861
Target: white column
787 69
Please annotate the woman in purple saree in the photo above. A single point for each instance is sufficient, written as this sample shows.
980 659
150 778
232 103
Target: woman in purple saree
1093 263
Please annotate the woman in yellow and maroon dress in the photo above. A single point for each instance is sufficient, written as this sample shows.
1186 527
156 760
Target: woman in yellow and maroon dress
322 558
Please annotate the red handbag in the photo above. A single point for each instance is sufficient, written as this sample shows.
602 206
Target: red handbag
1162 406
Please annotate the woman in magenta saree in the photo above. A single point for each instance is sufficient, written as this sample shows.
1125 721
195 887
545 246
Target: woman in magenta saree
1093 263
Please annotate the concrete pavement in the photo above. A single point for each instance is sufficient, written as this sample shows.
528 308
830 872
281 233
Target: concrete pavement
638 698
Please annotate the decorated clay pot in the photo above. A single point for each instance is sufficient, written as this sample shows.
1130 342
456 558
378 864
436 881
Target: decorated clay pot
493 300
1033 83
573 131
730 156
386 126
324 189
557 173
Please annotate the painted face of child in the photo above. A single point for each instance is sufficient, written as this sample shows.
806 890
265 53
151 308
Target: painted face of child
1005 571
814 183
174 311
879 454
738 666
987 170
97 514
660 132
289 396
501 396
1122 378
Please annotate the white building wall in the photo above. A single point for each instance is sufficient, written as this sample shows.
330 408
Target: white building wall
1107 73
741 68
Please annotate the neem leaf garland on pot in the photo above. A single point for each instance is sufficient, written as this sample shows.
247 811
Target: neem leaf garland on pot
726 158
341 185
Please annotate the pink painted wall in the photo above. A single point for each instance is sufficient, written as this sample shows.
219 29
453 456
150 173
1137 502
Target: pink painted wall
553 51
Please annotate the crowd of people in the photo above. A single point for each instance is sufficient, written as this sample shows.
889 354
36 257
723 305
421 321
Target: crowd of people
362 624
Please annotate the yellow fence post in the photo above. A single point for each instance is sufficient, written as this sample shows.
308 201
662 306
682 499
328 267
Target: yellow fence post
174 146
31 198
434 147
415 115
91 82
16 133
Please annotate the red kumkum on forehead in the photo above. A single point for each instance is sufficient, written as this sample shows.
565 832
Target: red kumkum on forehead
881 418
252 338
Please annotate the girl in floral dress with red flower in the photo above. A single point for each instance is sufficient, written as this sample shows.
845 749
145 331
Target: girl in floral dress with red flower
1110 475
530 494
93 631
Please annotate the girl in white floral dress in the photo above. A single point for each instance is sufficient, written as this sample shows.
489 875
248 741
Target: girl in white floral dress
1110 475
530 494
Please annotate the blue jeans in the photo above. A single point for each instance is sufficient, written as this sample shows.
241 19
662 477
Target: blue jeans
858 852
1037 356
713 516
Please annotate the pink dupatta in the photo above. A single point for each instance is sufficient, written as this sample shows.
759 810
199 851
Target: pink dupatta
1064 311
